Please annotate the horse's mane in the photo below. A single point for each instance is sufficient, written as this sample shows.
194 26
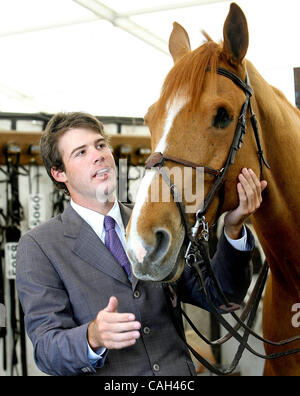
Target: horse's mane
188 76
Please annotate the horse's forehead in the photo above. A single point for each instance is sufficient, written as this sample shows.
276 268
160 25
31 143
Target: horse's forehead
162 128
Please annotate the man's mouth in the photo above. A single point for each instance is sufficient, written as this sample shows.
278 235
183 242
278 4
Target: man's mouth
101 173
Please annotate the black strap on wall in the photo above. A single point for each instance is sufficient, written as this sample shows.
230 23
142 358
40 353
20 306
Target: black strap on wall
59 199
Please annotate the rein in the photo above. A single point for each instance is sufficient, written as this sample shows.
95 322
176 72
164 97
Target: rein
197 255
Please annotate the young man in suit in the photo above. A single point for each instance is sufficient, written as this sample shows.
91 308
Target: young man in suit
83 314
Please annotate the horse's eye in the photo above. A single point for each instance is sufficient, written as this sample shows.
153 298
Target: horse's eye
222 119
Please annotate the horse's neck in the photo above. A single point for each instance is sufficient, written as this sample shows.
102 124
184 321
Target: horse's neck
278 221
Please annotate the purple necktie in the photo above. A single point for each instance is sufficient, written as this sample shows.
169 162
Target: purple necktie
113 243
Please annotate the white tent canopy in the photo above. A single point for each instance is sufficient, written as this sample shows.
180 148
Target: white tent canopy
110 57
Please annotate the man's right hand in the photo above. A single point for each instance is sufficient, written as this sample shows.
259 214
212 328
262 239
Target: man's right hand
113 330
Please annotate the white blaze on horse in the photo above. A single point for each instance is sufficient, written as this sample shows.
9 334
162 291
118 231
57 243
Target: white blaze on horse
195 119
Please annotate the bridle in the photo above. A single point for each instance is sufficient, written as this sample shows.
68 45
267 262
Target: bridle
157 160
197 255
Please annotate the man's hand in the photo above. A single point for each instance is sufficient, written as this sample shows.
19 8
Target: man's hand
113 330
249 190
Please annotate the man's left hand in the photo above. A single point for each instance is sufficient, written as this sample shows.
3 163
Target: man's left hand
249 191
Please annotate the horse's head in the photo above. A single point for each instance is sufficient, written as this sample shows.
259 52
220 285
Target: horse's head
194 120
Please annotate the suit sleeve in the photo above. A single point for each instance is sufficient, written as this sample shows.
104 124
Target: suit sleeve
232 269
59 343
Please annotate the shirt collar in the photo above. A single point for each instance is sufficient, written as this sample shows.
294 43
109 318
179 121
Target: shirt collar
96 219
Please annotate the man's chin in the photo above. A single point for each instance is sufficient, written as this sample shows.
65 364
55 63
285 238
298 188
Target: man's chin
106 195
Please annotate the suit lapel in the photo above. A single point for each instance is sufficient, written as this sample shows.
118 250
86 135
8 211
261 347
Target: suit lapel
89 247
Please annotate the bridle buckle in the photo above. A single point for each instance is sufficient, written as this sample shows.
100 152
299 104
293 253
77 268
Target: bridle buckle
201 221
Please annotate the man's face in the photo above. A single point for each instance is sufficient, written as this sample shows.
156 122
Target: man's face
90 170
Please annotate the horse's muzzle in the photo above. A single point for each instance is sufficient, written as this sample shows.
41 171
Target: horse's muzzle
153 263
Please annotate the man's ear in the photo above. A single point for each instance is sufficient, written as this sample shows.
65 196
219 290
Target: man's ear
59 175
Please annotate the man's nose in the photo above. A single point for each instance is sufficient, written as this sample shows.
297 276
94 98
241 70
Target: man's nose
97 156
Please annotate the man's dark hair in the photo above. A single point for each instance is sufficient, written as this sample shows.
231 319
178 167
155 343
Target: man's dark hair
58 125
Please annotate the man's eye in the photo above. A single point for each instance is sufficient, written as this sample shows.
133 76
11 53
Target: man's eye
101 145
79 153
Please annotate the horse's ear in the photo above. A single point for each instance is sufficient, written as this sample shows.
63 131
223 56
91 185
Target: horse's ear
179 43
236 35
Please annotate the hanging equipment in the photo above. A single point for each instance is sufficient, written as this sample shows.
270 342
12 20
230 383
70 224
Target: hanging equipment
12 235
36 199
2 282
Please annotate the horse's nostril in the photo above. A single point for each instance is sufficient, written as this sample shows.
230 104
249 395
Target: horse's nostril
162 245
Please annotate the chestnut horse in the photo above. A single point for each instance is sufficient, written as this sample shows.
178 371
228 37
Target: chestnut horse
195 119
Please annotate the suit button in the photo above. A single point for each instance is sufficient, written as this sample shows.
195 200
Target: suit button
156 367
146 330
136 294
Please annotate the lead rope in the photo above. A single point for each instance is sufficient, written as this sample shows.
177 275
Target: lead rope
243 340
227 303
246 327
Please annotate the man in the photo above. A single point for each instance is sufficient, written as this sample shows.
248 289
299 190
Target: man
83 314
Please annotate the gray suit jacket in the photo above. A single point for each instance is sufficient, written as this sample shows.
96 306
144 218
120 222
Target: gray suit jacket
66 275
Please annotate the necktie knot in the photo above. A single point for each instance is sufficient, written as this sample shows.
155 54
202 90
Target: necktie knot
109 223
